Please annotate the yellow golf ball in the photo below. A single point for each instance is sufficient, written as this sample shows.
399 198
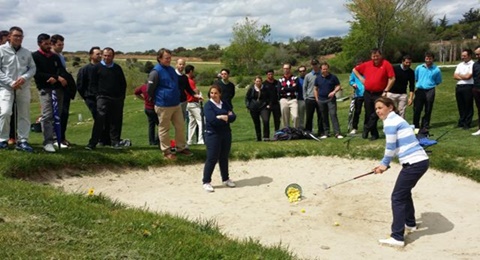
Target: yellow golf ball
303 210
336 224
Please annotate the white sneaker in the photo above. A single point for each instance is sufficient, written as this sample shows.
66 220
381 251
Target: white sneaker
62 146
229 183
353 132
410 229
208 187
339 136
49 148
323 137
391 242
476 133
200 142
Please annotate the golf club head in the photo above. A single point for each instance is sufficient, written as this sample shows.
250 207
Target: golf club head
325 186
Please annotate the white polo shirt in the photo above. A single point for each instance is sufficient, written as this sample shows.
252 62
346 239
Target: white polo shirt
465 68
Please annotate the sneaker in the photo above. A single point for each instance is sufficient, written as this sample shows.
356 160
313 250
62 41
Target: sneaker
24 146
4 145
49 148
62 145
90 147
12 141
185 152
353 132
66 142
229 183
476 133
117 146
391 242
339 136
323 137
170 156
200 142
410 229
208 187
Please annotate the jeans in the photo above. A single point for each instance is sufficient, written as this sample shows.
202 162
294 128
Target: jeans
402 202
218 150
328 108
263 115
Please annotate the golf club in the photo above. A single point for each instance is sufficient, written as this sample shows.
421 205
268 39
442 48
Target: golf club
342 182
313 137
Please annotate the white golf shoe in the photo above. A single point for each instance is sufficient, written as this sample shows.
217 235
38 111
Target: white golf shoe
208 187
391 242
476 133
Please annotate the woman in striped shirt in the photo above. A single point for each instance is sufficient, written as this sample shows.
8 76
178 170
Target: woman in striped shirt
402 142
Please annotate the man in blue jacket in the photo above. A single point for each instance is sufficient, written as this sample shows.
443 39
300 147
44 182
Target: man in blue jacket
163 87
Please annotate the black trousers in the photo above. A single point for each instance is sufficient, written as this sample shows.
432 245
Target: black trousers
464 96
311 106
277 114
152 124
65 113
424 98
91 102
264 116
112 109
371 117
358 103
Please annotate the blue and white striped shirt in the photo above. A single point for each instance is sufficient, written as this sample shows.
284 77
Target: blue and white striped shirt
401 141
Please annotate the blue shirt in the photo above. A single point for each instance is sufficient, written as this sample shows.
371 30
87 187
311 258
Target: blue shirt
326 85
360 87
427 78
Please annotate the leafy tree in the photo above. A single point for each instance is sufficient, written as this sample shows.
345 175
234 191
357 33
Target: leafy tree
379 19
248 43
471 16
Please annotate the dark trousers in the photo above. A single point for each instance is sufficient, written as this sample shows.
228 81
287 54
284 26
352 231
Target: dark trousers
402 202
152 123
371 117
311 106
464 96
264 116
13 121
328 108
424 98
91 103
112 109
218 150
277 114
476 97
64 115
358 103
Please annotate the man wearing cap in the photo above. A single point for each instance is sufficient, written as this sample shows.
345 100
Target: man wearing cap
378 77
287 90
311 104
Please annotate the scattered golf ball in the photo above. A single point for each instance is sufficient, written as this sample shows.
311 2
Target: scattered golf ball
336 224
303 210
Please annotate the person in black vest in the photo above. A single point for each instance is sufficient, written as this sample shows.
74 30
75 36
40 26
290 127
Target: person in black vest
109 86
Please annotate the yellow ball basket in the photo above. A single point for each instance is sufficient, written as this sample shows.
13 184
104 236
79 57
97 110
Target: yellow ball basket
293 191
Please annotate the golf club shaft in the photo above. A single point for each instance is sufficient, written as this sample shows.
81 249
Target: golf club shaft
339 183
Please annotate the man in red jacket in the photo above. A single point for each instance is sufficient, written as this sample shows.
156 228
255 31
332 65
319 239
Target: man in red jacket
378 77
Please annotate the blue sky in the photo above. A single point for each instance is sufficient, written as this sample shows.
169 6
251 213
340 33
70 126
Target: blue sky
139 25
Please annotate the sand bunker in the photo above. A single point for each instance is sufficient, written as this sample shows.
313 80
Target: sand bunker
448 208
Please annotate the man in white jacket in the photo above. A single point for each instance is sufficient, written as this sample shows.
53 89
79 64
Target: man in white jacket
16 70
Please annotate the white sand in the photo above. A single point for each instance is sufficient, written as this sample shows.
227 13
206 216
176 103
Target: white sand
448 207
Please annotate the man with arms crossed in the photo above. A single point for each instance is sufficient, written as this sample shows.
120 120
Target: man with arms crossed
463 91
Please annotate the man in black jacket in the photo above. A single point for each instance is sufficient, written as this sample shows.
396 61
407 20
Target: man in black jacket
48 79
109 86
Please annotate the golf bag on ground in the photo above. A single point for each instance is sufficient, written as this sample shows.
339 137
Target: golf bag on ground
288 133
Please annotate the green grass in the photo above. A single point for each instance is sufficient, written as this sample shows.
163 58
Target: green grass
43 221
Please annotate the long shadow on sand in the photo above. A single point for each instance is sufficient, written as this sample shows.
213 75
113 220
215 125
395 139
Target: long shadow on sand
255 181
431 223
